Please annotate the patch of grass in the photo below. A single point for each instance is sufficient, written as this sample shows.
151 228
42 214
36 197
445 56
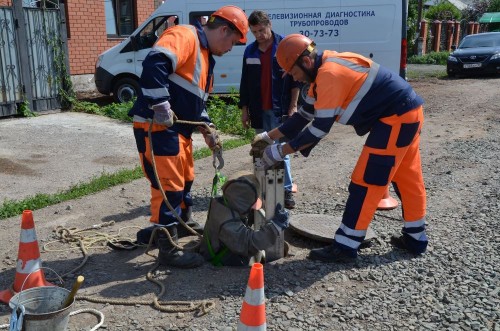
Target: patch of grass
25 110
440 74
430 58
117 111
223 112
226 115
11 208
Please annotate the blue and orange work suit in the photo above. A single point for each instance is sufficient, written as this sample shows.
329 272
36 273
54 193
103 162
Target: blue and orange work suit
354 90
179 69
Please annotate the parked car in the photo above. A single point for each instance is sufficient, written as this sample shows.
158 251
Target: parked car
476 54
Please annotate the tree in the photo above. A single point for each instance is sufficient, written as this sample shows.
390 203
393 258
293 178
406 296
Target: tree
494 6
412 25
443 11
474 11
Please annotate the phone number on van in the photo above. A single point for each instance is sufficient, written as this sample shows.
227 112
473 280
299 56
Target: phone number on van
319 33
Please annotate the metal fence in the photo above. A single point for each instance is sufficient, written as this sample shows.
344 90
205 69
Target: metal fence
33 57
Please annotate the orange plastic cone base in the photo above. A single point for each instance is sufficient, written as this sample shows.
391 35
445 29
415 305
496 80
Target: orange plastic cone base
387 202
28 252
253 312
6 295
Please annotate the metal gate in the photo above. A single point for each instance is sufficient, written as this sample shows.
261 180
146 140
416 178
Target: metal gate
33 58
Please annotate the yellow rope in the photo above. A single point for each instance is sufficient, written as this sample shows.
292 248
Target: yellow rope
85 239
88 238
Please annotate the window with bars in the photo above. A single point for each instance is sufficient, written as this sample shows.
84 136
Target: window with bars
41 3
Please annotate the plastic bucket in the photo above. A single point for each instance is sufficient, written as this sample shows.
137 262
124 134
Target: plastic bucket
44 308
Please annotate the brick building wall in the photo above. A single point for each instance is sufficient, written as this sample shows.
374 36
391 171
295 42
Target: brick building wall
87 32
87 36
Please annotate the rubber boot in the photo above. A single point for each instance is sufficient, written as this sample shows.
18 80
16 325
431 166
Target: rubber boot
170 255
187 217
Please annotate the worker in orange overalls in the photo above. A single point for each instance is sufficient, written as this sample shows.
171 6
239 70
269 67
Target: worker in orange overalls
176 80
353 90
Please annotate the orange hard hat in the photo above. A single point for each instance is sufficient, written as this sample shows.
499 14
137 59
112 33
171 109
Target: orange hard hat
235 16
291 48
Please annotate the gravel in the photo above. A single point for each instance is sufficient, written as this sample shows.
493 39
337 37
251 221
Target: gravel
454 286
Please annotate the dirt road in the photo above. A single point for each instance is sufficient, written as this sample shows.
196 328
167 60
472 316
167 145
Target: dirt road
454 286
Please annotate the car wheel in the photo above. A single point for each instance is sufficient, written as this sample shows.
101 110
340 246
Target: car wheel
125 89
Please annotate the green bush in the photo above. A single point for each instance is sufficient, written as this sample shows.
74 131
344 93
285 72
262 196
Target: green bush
430 58
117 111
443 11
223 111
226 115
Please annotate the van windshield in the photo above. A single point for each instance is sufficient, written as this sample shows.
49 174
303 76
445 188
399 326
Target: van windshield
154 29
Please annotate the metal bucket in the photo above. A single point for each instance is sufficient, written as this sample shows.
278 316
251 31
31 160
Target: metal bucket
44 308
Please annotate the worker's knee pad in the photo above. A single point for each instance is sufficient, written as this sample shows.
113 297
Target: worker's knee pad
165 143
378 169
379 136
407 134
140 136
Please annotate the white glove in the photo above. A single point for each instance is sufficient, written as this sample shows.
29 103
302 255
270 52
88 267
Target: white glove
272 155
163 114
259 143
262 137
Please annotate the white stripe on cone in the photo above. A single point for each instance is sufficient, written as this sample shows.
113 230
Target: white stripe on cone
29 266
255 297
28 236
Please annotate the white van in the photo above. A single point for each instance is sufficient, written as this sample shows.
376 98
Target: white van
376 29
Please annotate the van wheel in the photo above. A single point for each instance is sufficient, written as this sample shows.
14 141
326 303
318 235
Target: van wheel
125 89
303 94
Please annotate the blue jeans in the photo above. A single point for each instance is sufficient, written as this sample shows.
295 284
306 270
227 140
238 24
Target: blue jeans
269 122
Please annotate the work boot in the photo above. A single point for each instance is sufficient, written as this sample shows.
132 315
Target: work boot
407 242
289 201
170 255
187 217
333 253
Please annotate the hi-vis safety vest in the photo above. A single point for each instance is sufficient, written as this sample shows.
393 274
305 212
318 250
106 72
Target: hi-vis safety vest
189 70
190 62
348 77
352 90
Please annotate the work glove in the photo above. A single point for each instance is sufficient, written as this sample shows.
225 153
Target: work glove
280 218
259 143
211 137
163 114
272 155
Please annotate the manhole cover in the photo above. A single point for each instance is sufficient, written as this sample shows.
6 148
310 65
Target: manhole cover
320 227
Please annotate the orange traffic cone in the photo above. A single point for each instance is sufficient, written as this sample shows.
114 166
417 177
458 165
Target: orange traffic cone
28 261
253 311
387 202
